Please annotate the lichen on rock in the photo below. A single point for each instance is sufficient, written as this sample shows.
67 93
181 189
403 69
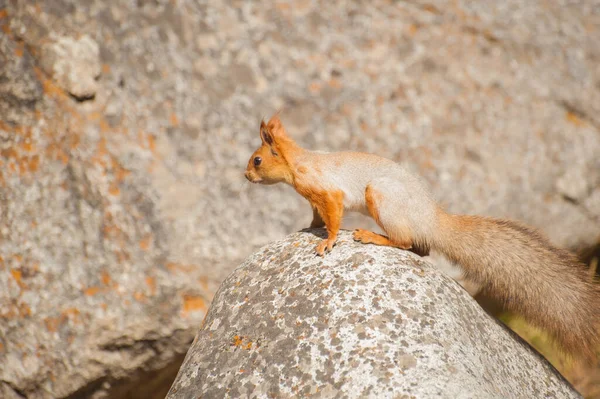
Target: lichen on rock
364 321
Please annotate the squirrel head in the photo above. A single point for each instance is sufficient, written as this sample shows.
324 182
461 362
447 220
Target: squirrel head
269 163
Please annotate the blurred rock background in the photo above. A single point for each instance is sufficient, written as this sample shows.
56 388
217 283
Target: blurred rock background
125 127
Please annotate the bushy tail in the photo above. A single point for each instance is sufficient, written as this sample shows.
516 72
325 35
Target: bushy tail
519 267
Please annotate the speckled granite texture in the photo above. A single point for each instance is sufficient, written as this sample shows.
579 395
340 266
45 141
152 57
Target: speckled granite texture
363 322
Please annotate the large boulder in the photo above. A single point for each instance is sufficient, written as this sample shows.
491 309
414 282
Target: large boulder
125 127
363 321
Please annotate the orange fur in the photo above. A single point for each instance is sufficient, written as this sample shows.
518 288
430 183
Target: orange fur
368 237
329 205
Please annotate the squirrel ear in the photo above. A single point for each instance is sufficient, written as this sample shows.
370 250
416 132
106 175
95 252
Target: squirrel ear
265 136
275 127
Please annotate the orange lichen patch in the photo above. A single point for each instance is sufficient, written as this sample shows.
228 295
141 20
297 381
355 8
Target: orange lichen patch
174 267
114 233
122 256
238 341
193 303
13 310
104 306
139 296
104 126
94 116
101 149
49 87
173 119
24 310
113 189
71 314
151 283
28 164
19 50
574 119
203 282
55 152
335 83
145 242
412 29
17 275
91 291
3 13
34 163
1 347
27 145
9 153
105 68
111 230
119 172
53 323
152 143
105 277
315 87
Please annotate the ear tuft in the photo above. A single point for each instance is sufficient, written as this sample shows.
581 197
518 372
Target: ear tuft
276 128
266 137
275 122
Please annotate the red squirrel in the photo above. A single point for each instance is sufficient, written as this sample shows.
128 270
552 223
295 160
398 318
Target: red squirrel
513 263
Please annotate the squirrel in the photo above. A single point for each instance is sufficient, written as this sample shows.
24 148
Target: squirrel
513 263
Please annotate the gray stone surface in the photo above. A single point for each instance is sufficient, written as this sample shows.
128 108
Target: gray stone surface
362 322
120 215
74 64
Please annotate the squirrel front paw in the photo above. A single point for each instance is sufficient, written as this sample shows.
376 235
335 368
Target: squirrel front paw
325 246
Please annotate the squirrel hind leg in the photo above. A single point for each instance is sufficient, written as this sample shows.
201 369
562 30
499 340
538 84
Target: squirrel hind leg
398 235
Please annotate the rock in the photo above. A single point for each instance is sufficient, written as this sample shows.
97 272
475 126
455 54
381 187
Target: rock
19 87
364 321
74 64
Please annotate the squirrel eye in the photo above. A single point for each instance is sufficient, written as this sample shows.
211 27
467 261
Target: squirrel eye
257 161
